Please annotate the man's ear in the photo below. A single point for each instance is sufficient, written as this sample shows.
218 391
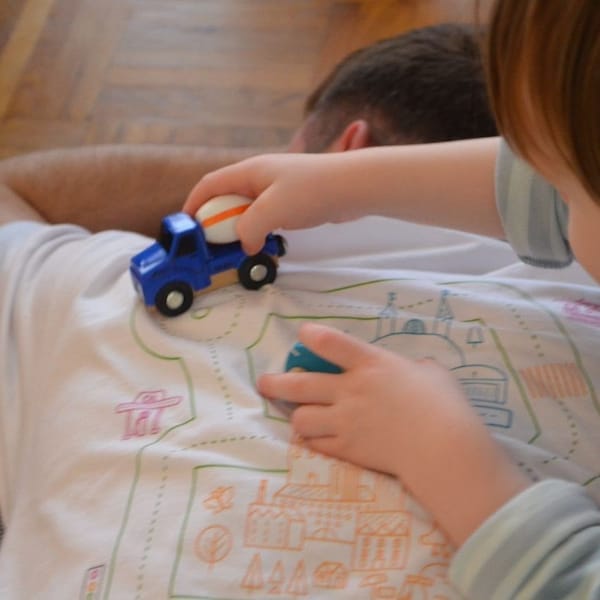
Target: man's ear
356 135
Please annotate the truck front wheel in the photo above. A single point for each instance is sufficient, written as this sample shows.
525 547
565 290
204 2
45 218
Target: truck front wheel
174 298
256 271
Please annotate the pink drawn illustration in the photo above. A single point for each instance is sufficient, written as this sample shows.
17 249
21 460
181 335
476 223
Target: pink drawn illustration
92 583
583 311
143 415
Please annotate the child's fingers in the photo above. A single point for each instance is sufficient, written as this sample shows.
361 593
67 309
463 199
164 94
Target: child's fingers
335 346
328 445
299 387
233 179
262 217
311 421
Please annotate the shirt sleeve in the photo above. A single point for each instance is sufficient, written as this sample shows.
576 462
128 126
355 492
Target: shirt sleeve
543 545
534 216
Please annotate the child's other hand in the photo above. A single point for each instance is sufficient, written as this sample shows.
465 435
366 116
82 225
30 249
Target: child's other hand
381 413
407 418
290 191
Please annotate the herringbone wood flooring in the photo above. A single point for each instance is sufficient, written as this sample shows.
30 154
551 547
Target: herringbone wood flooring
203 72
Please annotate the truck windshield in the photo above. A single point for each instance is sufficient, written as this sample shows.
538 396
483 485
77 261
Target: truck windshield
165 239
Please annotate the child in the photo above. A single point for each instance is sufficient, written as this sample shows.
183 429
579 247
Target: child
543 66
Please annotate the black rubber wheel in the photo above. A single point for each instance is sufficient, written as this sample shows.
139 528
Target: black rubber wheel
256 271
174 298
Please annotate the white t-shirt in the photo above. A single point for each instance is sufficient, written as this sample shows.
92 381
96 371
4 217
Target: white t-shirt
138 461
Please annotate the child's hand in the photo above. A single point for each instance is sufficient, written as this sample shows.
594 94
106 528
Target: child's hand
291 191
381 412
407 418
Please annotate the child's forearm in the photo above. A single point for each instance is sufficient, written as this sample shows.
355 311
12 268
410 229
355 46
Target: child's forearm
448 185
105 187
471 480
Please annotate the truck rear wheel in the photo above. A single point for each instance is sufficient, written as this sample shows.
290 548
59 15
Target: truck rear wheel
256 271
174 298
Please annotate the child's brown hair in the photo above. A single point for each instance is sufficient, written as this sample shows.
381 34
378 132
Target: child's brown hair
543 62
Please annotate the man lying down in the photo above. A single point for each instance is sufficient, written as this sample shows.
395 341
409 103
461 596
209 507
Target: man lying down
139 459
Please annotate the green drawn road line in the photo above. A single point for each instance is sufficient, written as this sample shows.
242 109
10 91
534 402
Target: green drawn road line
138 458
508 364
372 282
491 282
559 325
305 317
518 383
591 480
193 489
262 333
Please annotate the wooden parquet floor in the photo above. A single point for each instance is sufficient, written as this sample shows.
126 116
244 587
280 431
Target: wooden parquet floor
202 72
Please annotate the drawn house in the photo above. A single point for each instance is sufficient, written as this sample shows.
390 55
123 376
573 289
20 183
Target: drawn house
270 525
329 574
329 502
485 385
383 540
326 500
487 389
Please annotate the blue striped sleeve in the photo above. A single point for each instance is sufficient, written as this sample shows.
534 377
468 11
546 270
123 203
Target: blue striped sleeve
534 216
543 545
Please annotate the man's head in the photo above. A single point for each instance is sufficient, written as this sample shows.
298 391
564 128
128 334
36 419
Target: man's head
426 85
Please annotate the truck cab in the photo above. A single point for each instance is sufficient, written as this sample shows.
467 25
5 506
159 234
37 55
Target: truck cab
181 262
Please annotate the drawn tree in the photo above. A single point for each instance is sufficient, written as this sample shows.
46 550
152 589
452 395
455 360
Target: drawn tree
213 544
253 580
298 586
277 578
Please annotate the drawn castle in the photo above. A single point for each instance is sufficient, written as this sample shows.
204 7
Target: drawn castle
485 385
332 504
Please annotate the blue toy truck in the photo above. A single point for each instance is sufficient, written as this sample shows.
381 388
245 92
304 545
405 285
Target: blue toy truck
181 262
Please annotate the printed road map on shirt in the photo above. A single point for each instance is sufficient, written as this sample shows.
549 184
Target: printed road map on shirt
225 504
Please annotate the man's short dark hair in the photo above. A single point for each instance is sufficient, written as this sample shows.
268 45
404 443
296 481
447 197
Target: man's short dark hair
426 85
